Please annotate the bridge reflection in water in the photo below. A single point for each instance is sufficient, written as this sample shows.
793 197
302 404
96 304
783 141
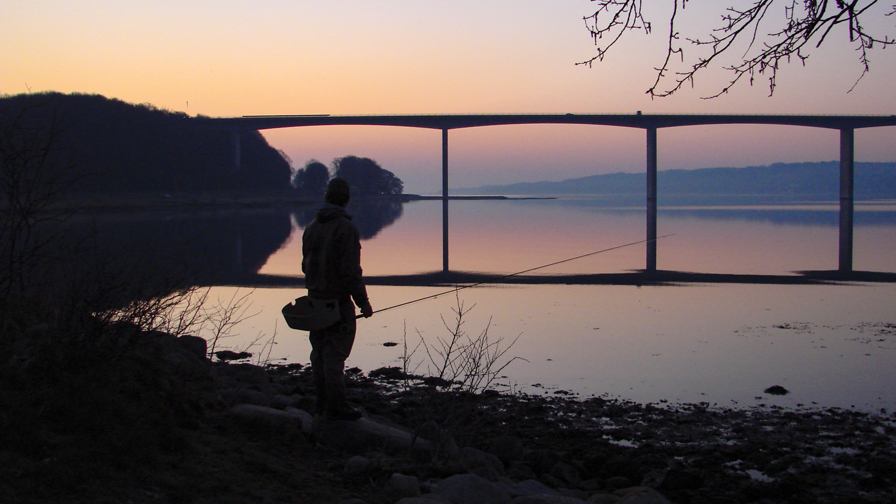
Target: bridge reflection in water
229 248
648 122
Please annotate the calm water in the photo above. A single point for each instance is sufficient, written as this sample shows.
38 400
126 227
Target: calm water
720 343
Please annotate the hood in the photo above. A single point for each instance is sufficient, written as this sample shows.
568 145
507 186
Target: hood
330 212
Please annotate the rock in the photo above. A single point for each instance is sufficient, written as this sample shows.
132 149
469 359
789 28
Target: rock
551 481
182 363
617 482
591 484
158 339
248 376
357 465
682 479
425 499
269 416
776 390
479 462
401 486
366 433
507 448
624 466
604 498
281 401
641 495
195 345
574 492
235 395
228 355
530 487
472 489
430 430
548 499
521 471
307 419
543 460
566 473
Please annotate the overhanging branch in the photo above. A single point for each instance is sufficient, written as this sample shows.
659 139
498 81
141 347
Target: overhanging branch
803 22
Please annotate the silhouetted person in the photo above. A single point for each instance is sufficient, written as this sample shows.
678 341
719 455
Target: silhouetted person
331 249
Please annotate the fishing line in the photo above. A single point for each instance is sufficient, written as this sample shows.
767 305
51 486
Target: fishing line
456 289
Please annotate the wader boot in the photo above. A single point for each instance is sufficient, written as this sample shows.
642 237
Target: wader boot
330 348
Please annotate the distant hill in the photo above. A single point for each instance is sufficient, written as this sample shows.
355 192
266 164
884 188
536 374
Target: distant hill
104 145
811 180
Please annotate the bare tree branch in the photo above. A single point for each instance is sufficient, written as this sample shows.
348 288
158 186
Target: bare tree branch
804 23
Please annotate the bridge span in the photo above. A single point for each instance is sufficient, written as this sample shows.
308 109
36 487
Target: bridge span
846 124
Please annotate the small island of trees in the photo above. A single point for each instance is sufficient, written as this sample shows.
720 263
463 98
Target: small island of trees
365 175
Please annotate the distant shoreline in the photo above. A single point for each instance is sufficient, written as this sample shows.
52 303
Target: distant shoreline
229 201
218 201
413 197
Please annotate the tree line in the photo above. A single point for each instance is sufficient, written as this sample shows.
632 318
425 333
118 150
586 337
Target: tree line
90 144
105 145
365 175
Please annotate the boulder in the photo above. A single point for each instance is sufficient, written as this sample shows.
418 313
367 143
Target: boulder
425 499
183 363
566 473
357 465
238 395
401 486
269 416
195 345
281 401
548 499
479 462
530 487
246 375
641 495
472 489
364 434
507 448
604 498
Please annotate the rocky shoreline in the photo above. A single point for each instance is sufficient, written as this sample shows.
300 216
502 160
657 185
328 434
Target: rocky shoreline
557 449
179 427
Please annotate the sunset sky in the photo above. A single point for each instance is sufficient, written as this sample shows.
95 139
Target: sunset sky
234 57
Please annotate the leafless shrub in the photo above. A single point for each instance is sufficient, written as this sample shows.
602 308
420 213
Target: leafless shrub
220 318
464 362
33 181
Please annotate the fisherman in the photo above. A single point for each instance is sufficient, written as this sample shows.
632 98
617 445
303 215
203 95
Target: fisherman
331 250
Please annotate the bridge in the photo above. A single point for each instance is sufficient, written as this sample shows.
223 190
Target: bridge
846 124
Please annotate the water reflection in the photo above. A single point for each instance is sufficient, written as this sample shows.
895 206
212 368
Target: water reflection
156 252
594 326
370 216
491 240
151 253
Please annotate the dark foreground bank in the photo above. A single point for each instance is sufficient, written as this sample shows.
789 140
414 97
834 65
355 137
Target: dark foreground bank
155 421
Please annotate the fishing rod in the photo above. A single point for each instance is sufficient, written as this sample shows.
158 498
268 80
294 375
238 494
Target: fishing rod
502 277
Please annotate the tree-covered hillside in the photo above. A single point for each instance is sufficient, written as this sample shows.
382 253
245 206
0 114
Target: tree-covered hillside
101 145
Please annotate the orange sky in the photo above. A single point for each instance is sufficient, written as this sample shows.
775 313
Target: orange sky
228 58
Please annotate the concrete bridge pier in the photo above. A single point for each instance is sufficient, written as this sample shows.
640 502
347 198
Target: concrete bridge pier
445 199
235 136
651 200
847 193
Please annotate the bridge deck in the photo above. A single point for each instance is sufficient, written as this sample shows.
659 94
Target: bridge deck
452 121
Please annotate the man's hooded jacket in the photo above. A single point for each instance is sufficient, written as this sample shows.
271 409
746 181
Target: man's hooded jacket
331 246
